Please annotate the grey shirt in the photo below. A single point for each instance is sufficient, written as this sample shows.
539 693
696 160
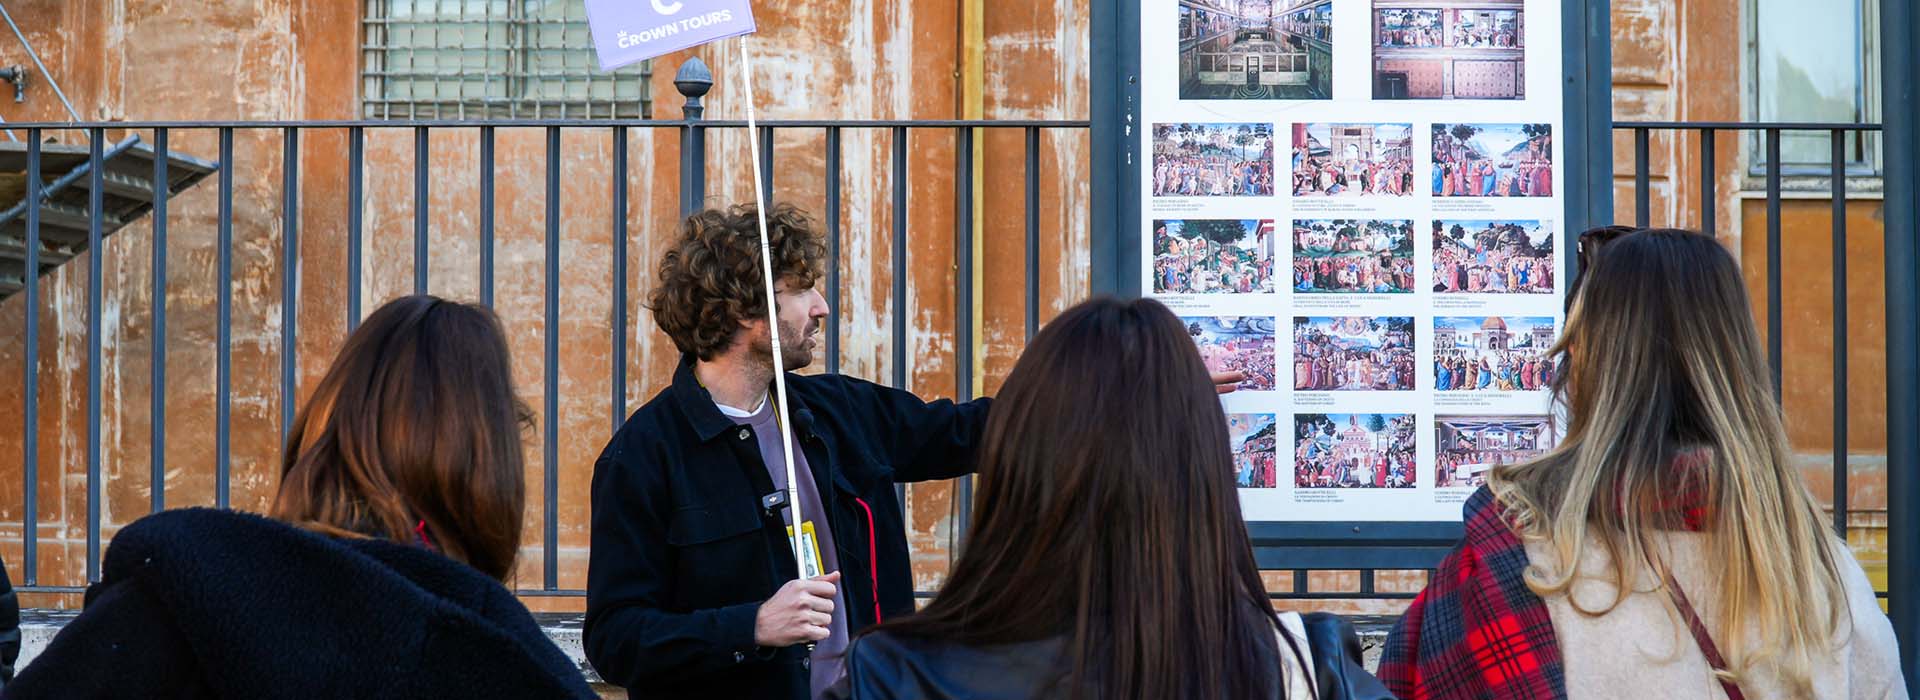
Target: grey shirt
828 653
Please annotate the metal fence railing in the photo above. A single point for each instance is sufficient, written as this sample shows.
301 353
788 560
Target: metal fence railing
1774 172
692 134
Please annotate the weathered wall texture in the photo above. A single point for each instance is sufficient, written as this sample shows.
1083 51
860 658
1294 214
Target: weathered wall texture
1680 61
284 59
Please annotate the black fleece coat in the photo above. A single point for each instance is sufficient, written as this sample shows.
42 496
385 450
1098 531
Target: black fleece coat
207 603
685 550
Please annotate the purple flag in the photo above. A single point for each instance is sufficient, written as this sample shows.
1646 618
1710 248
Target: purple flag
626 31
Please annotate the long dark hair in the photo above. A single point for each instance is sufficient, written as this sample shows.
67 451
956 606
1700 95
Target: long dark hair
414 434
1108 516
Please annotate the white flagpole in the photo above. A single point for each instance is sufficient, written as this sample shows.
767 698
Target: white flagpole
773 318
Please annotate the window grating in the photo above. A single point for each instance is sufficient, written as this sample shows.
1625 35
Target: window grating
471 59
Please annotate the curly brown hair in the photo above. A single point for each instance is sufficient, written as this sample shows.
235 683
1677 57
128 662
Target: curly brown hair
710 280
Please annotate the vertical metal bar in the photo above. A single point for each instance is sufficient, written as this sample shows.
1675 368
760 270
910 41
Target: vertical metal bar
356 192
693 168
1841 469
290 282
766 163
833 249
96 205
619 276
1367 583
1300 581
486 216
1642 180
30 384
551 420
900 274
900 257
1709 200
157 421
963 306
422 206
1033 231
223 366
963 263
1901 64
1773 259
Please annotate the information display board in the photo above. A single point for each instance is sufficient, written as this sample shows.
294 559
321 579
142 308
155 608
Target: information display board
1354 202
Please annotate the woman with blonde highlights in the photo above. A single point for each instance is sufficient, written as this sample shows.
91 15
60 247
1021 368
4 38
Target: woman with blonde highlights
1675 476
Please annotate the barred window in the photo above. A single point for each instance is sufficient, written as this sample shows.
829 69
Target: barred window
469 59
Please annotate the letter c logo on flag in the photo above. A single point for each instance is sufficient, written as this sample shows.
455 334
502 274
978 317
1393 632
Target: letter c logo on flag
666 8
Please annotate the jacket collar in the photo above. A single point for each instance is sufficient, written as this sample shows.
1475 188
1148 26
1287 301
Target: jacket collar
697 403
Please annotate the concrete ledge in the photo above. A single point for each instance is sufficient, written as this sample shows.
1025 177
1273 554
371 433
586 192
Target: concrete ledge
37 628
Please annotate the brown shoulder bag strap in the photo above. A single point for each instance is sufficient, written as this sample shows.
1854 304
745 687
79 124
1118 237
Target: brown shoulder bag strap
1700 637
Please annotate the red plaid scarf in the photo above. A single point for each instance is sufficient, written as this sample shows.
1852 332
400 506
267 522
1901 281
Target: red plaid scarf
1477 631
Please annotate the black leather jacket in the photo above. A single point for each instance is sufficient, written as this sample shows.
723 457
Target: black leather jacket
881 665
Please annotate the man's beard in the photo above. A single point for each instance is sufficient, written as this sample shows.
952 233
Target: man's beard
793 348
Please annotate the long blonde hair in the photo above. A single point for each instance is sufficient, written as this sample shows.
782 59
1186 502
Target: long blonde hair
1661 359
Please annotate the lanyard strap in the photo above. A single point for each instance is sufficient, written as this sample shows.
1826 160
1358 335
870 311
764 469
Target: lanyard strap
1701 638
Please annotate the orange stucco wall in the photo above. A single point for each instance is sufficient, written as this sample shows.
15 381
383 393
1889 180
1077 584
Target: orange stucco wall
284 59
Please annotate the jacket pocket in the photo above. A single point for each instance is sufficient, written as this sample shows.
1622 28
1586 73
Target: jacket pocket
863 478
702 524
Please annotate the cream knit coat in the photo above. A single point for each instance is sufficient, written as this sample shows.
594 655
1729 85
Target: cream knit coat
1641 651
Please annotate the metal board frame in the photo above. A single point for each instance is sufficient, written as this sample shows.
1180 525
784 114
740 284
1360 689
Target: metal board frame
1116 198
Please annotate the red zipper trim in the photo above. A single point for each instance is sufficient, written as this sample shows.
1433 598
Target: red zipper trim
873 558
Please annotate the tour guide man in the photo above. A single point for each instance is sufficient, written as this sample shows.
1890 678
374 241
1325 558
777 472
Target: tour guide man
691 585
691 588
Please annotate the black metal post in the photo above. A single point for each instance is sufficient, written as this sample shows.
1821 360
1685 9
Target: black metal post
833 249
1841 469
766 163
900 269
963 308
619 276
1642 180
1586 50
30 384
290 284
693 81
1901 66
1709 200
356 187
1773 260
486 216
223 365
157 420
1033 232
96 205
1114 182
422 206
550 419
899 167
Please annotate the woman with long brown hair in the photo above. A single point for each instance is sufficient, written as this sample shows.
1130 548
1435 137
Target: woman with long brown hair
379 573
1107 556
1676 478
